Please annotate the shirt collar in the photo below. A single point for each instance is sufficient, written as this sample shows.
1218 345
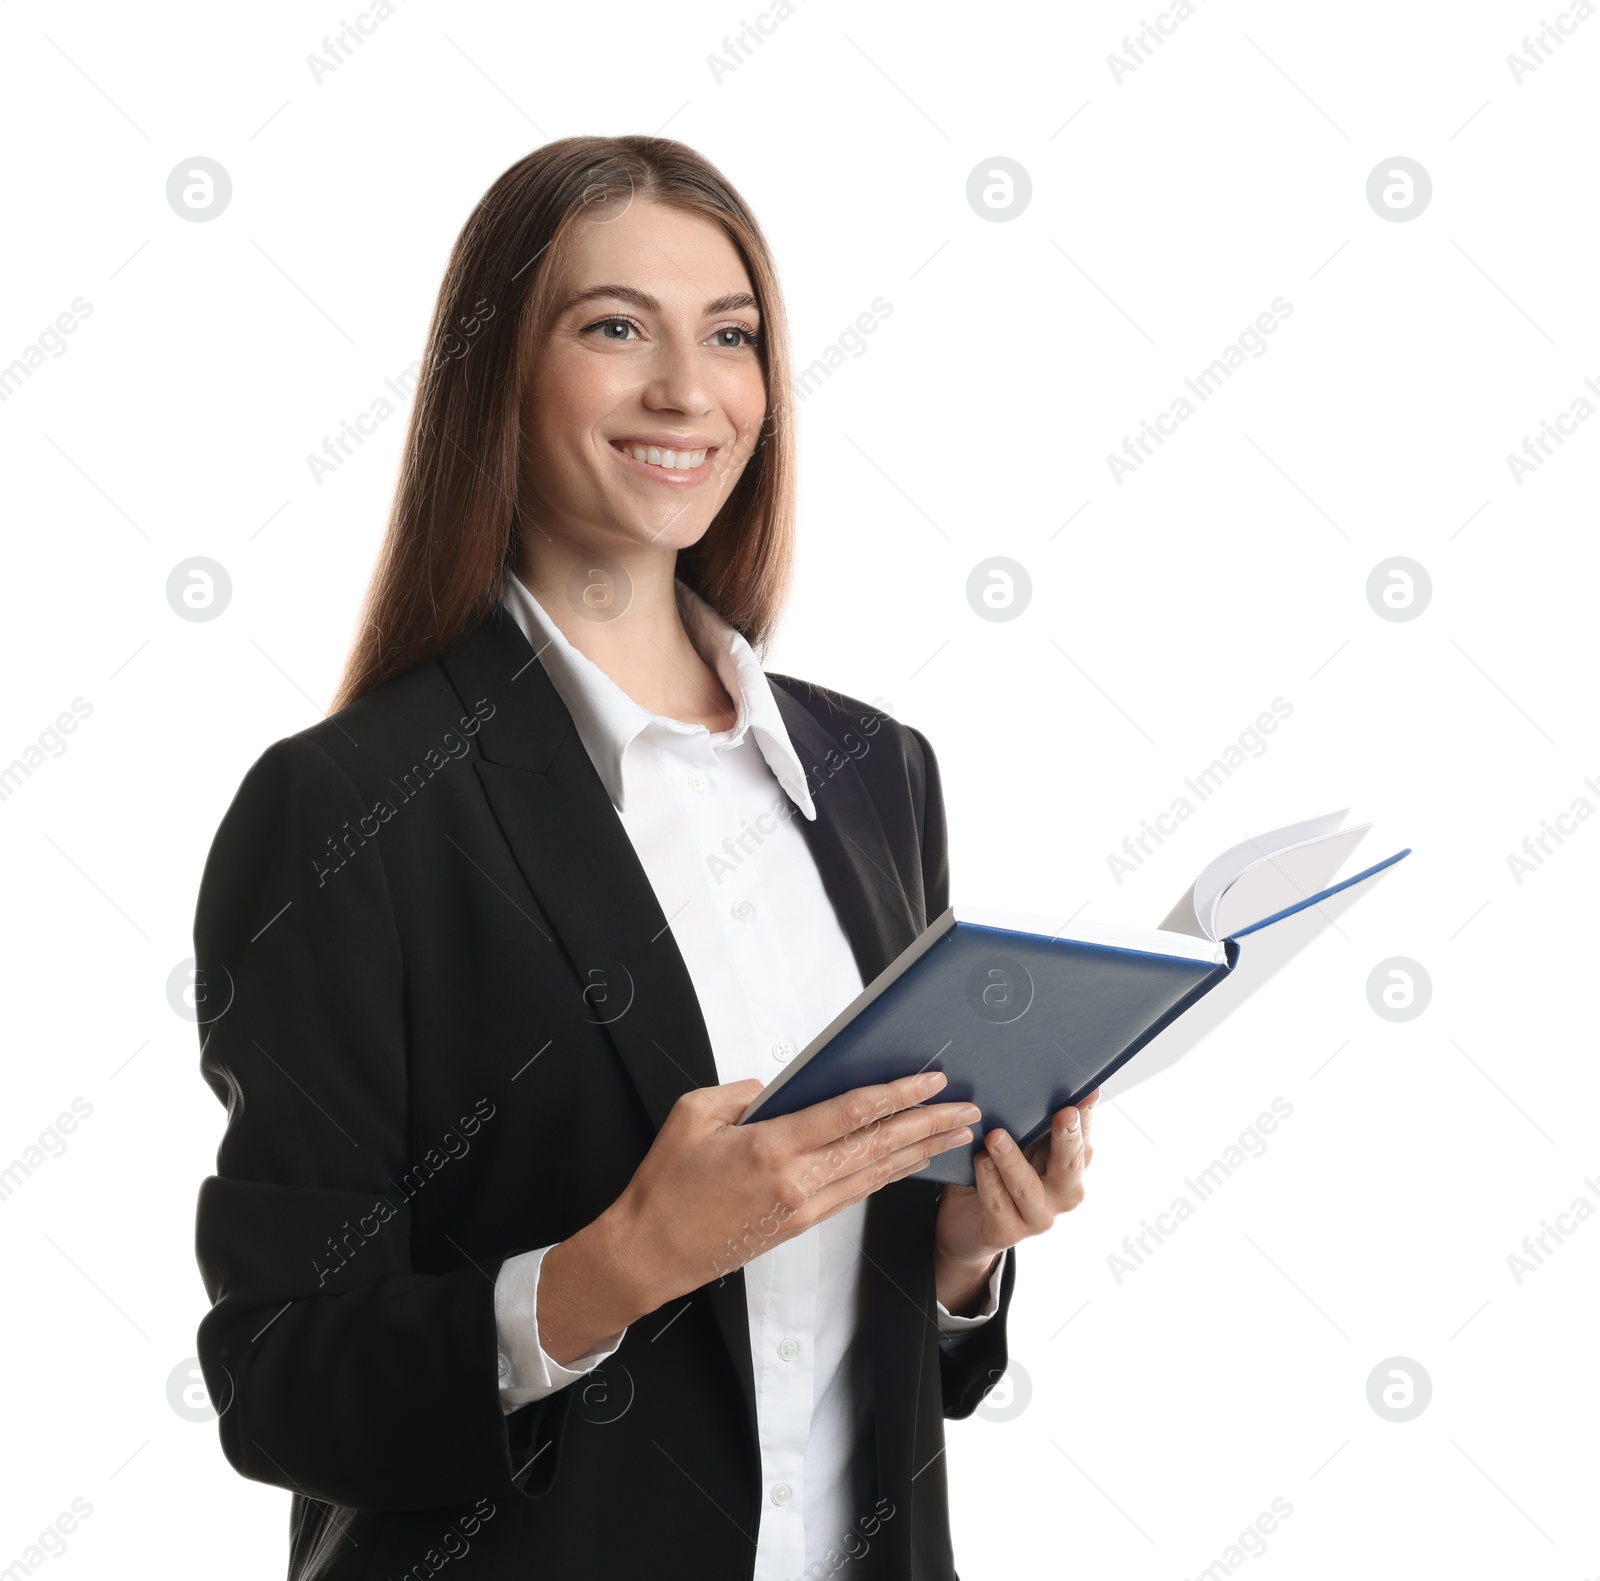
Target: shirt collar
607 719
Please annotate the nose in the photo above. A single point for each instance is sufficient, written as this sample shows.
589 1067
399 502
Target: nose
678 381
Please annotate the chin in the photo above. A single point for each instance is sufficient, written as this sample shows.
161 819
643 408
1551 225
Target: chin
666 529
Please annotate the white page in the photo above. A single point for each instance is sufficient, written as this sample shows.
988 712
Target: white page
1219 873
1278 880
1192 911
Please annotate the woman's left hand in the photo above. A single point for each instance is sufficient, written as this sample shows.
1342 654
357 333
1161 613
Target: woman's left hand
1018 1194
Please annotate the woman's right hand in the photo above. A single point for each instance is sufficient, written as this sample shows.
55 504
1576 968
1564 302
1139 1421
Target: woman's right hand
711 1194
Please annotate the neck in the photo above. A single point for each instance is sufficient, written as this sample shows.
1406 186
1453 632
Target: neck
641 644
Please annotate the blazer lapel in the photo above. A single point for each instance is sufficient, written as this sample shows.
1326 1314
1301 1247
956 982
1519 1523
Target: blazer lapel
848 844
881 919
577 859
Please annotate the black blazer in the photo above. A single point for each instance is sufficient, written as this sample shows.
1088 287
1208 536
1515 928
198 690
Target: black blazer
447 1018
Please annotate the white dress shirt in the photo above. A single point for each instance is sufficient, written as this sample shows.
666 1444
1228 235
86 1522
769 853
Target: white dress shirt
711 817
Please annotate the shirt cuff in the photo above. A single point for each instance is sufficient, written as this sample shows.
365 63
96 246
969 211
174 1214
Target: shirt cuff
951 1326
526 1372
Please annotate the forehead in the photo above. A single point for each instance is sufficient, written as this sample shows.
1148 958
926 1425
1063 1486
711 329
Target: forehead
670 253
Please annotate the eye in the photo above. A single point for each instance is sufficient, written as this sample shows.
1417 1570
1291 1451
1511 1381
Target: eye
747 337
607 328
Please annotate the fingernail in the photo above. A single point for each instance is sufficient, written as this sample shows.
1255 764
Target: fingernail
999 1142
1072 1119
958 1137
933 1082
970 1112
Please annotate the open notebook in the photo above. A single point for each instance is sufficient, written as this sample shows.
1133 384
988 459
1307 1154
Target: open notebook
1024 1016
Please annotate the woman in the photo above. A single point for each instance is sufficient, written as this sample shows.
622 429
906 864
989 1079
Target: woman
504 946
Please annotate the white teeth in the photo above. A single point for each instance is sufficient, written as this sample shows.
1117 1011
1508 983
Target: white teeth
671 460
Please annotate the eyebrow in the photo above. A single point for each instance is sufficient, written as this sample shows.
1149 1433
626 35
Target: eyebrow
648 304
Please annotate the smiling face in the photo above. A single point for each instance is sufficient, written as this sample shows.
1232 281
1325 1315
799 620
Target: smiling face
644 398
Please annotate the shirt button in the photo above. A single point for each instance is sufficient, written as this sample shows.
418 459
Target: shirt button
699 783
504 1366
782 1050
788 1349
742 911
781 1493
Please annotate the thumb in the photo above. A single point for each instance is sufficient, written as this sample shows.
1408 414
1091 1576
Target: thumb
730 1100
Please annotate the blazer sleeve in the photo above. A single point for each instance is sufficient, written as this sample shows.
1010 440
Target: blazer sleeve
337 1368
971 1366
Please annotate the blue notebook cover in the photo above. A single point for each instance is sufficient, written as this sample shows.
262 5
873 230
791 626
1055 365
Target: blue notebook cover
1020 1023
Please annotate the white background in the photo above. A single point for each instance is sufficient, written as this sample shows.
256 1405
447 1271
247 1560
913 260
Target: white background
1149 1420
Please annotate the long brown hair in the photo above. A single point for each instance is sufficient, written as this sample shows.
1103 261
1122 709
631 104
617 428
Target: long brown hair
455 527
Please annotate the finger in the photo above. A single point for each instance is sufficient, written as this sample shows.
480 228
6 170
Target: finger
1006 1226
881 1139
848 1190
833 1118
1021 1180
1068 1158
728 1101
1039 1153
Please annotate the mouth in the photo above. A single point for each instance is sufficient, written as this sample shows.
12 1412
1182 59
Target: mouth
661 464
